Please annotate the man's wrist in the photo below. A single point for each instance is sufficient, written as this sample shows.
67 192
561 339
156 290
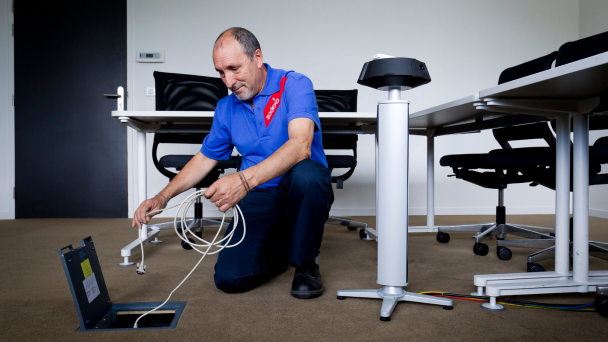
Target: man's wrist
164 198
249 178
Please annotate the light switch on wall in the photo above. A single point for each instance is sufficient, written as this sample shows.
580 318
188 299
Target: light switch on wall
150 91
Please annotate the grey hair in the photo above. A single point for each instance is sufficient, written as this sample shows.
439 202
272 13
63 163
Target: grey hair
249 43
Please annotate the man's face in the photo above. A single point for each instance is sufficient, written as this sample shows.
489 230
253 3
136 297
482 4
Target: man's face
241 75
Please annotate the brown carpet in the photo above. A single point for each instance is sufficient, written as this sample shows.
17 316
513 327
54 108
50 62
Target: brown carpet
36 305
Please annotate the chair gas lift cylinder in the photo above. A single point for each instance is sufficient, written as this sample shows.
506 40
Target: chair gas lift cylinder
393 74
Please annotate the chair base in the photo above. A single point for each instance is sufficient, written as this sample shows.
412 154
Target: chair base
596 249
345 221
540 237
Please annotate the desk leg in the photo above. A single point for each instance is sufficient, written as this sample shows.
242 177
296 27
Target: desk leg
580 280
562 196
142 195
430 187
142 180
581 198
430 180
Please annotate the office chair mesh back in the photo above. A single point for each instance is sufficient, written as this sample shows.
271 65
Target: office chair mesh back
524 132
178 92
463 164
582 48
339 101
528 68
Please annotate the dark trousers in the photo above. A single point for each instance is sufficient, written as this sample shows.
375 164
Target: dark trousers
284 226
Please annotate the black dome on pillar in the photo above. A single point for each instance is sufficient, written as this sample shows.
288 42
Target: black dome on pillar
385 73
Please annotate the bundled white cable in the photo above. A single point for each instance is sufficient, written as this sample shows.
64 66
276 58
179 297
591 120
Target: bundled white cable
220 245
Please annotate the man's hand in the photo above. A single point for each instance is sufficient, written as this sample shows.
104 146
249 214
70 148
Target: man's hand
140 217
226 192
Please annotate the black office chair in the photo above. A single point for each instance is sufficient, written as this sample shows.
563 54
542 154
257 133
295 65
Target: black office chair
539 163
340 101
500 174
178 92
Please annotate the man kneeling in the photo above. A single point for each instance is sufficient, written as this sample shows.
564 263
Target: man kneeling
284 187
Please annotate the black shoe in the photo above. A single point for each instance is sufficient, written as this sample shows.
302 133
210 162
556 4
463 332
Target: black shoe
307 281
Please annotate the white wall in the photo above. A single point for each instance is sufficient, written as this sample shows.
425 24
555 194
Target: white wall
7 113
593 20
465 44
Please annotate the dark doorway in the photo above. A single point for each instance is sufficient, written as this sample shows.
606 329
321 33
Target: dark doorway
70 154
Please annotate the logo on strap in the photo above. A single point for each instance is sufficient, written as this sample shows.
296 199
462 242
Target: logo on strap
274 102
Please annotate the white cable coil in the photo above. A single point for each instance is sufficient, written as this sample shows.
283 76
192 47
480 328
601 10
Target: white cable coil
185 229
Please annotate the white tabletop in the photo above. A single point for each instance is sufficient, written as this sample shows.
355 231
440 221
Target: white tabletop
582 79
357 118
457 111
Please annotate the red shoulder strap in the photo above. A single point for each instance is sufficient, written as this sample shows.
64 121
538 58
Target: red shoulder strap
274 102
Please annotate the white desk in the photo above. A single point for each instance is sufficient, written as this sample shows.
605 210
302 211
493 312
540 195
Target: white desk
572 89
559 93
154 121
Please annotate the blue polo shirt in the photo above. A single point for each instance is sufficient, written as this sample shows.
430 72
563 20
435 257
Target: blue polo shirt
257 133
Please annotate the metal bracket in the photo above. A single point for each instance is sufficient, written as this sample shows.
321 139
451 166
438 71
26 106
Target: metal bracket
544 107
138 125
371 129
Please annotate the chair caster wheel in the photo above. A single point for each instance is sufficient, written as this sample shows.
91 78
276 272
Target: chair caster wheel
199 234
601 305
385 319
187 246
443 237
351 228
341 298
446 307
534 267
480 249
363 235
503 253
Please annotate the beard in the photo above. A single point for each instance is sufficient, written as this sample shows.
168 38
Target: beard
246 96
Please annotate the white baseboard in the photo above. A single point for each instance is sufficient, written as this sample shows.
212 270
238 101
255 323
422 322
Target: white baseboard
415 211
449 211
511 210
598 213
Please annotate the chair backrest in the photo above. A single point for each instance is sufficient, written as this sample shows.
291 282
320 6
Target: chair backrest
528 68
582 48
338 101
179 92
532 131
539 130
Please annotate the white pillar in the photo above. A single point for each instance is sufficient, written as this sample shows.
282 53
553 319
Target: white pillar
562 195
581 198
430 179
392 204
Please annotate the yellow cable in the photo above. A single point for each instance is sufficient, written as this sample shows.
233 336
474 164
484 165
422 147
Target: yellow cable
501 302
